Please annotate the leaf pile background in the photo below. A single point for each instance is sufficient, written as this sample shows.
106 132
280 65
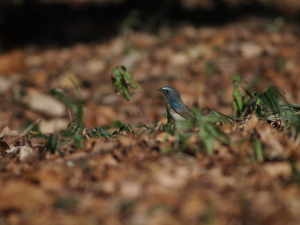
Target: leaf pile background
121 164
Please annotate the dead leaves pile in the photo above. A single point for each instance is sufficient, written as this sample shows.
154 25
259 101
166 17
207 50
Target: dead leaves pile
127 180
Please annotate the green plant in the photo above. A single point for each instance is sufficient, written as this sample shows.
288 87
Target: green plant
104 132
53 143
207 130
258 151
122 80
67 203
269 105
100 132
76 126
146 128
127 128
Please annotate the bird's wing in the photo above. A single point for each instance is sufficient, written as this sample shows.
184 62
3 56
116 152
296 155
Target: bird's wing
183 110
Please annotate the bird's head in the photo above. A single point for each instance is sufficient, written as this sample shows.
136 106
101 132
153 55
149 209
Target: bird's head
169 92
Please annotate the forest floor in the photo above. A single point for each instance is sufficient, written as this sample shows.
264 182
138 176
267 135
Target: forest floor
149 176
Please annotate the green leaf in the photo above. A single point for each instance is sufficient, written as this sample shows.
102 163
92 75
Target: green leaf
126 93
147 128
127 128
78 141
258 150
115 133
122 80
242 96
100 132
207 140
115 124
210 133
79 118
52 143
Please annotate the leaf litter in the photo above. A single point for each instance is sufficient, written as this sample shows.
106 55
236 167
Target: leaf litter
243 170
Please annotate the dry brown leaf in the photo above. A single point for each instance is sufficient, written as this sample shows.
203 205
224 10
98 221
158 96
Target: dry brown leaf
164 136
12 139
25 153
38 78
269 138
252 123
3 147
43 103
19 195
13 150
278 170
95 115
193 206
56 124
127 142
250 50
68 80
12 62
4 131
49 178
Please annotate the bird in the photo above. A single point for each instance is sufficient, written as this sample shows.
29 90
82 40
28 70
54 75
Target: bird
176 108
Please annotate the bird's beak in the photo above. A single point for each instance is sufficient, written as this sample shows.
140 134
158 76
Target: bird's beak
159 90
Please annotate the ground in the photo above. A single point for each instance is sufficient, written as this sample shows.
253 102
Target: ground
149 176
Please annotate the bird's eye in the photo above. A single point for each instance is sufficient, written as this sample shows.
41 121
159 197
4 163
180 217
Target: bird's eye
167 91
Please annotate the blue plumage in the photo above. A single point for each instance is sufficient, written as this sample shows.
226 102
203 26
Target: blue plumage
174 105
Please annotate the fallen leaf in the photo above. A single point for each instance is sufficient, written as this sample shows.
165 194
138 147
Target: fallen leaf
44 103
19 195
164 136
274 147
3 147
25 153
250 50
56 124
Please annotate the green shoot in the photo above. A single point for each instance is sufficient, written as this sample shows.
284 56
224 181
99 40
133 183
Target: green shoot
122 80
100 132
64 99
76 126
127 128
52 144
258 151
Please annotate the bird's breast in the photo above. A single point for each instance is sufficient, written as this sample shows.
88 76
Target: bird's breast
176 116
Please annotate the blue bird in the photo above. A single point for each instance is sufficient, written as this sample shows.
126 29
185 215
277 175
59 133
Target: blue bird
176 109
